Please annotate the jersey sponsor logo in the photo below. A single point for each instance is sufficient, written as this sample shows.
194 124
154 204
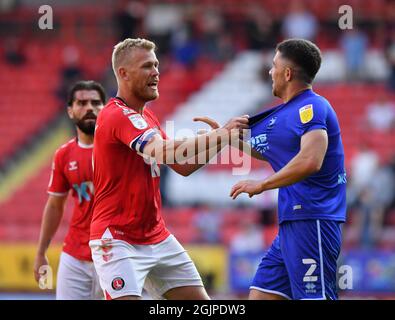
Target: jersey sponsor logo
73 165
306 113
138 121
259 143
82 190
118 284
297 207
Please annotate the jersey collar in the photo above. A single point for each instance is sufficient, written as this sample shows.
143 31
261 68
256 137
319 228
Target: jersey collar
298 95
84 146
260 116
124 102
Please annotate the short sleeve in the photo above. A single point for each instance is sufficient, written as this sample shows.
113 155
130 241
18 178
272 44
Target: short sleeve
132 130
310 117
58 183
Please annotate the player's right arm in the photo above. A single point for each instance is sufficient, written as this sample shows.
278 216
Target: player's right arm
52 216
53 211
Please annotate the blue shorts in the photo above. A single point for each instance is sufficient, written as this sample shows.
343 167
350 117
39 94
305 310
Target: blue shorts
302 261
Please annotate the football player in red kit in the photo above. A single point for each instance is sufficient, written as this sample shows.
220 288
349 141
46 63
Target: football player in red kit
131 246
72 170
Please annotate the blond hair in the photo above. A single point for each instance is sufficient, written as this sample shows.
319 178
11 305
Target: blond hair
123 49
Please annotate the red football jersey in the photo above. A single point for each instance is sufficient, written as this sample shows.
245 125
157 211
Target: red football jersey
127 204
72 169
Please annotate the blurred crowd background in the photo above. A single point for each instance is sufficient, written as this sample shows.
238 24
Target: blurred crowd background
214 60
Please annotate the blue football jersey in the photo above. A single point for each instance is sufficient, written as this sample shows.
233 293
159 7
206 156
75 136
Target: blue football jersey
277 133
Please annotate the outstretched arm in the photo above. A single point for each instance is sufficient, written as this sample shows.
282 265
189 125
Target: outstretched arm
307 162
201 148
241 145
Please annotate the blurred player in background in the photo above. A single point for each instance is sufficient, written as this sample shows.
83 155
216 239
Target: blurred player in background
130 243
72 169
301 140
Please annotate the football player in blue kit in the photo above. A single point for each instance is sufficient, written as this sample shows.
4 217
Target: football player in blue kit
300 138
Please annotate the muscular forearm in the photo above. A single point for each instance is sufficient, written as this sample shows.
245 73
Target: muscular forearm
308 161
198 161
50 223
179 151
296 170
204 157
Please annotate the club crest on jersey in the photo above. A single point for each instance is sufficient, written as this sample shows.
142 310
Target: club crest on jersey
138 121
306 113
118 283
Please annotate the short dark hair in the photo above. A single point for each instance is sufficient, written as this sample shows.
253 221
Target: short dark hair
86 85
304 54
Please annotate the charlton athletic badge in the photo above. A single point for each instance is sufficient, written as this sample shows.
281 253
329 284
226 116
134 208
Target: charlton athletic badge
118 283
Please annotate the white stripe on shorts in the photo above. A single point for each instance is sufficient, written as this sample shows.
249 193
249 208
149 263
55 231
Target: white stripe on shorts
321 259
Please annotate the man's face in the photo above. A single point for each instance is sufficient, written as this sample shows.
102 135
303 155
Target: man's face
142 75
279 74
84 110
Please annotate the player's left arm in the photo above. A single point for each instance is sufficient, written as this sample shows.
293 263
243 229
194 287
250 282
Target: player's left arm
204 156
307 162
189 168
241 145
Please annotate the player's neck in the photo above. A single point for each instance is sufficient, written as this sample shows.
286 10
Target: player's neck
84 138
131 101
293 91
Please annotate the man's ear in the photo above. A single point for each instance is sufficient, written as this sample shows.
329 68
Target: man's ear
123 74
288 74
70 112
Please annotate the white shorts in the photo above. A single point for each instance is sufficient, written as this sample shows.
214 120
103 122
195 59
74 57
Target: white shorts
77 280
124 269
